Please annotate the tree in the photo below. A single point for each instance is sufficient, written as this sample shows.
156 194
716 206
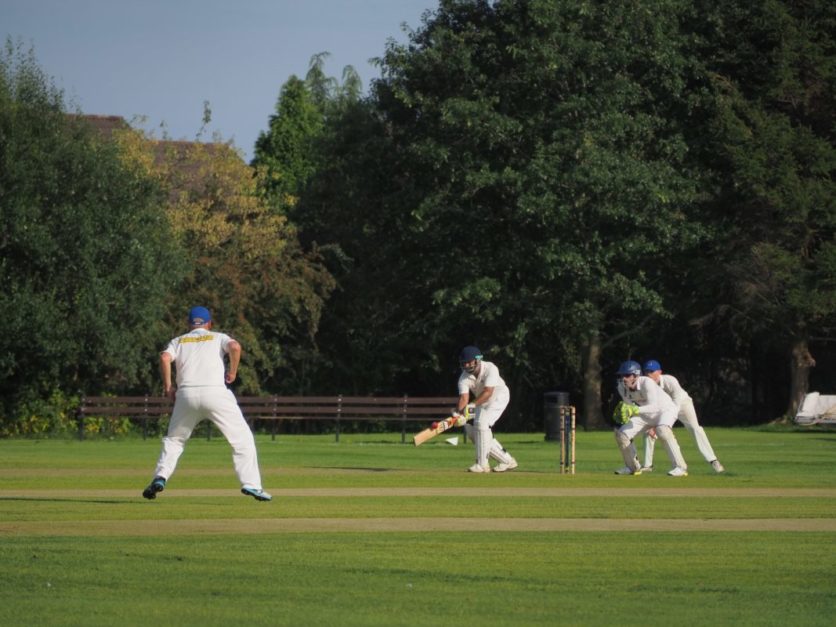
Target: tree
245 260
86 254
288 153
524 160
768 140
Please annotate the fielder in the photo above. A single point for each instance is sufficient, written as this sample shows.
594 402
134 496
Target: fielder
644 406
687 416
202 394
480 379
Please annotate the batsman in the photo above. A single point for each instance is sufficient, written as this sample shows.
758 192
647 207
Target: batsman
481 386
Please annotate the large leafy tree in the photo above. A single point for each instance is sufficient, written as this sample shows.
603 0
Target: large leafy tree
86 253
768 139
244 259
288 153
525 162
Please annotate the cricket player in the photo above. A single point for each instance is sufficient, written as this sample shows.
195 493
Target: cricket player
481 386
687 416
645 406
201 394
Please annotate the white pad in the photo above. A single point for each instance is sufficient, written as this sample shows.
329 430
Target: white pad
483 441
671 446
498 453
649 446
628 451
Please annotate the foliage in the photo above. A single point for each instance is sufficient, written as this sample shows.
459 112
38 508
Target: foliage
500 134
769 277
244 258
86 256
288 153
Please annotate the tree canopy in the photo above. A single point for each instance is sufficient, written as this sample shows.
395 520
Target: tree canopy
86 254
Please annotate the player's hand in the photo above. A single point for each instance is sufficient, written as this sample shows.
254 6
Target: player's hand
470 411
623 412
461 419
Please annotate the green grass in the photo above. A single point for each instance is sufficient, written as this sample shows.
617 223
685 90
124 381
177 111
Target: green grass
452 577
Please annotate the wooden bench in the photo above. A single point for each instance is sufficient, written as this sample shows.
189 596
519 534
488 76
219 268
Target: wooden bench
401 409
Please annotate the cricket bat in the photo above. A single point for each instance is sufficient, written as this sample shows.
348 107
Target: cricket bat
435 428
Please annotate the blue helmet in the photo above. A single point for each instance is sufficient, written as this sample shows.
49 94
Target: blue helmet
629 367
468 354
651 365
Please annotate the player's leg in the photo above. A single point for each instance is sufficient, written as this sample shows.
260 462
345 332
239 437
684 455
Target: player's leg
490 414
184 418
504 459
680 468
224 412
649 448
624 436
688 417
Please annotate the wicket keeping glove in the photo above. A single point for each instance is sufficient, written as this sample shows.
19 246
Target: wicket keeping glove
623 412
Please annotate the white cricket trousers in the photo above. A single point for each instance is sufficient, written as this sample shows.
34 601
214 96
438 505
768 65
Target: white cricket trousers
195 404
625 434
688 417
482 436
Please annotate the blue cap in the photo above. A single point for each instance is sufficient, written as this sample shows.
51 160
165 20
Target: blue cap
199 316
651 365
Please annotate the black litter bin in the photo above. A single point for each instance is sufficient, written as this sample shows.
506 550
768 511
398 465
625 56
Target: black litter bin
552 401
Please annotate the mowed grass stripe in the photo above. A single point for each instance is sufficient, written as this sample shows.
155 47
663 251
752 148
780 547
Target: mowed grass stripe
503 492
388 525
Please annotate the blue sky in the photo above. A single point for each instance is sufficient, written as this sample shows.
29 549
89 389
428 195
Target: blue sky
155 62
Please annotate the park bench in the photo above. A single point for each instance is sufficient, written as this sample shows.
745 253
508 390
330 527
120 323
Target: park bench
275 409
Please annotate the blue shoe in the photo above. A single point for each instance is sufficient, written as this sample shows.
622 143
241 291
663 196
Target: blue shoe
258 495
157 485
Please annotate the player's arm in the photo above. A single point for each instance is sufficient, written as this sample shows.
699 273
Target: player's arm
484 397
165 374
234 351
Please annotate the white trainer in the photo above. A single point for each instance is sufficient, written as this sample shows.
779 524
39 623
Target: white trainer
502 466
717 466
626 470
678 472
647 468
478 468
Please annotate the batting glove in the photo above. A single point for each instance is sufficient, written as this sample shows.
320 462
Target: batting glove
461 419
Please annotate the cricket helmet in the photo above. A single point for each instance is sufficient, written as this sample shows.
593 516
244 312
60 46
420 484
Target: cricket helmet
629 367
468 354
651 365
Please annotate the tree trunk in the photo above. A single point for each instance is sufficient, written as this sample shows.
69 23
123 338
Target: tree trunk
800 364
592 416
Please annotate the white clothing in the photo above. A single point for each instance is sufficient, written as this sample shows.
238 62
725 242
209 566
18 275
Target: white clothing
656 409
487 414
687 415
487 377
202 394
199 357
